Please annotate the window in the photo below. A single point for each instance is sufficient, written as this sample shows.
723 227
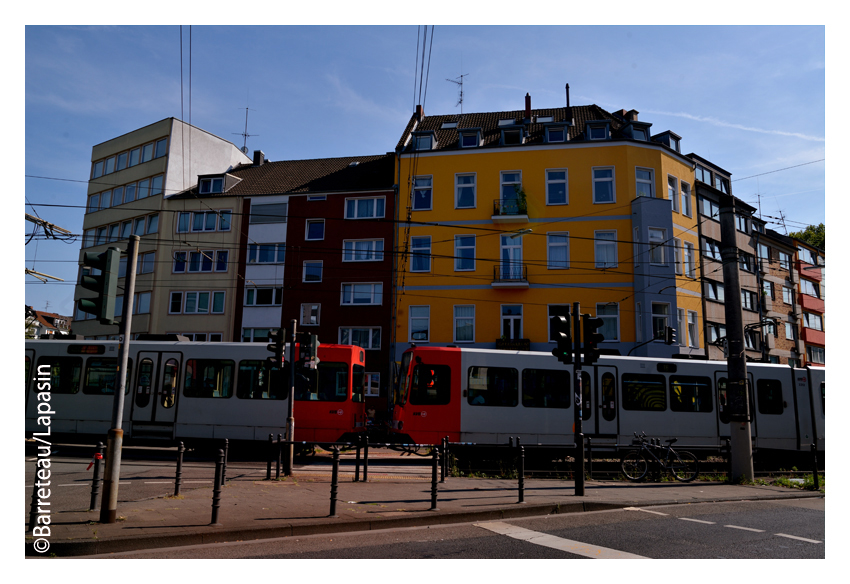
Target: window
767 289
747 262
207 221
365 208
657 237
211 185
256 335
464 191
153 224
748 300
271 213
510 185
422 142
175 304
603 185
145 263
790 332
101 376
373 384
806 255
644 392
787 295
816 354
161 148
431 385
266 253
673 192
598 132
690 261
211 378
142 304
362 293
493 386
703 174
105 199
677 255
714 291
711 249
763 252
512 321
314 230
660 315
558 245
263 296
366 338
144 188
812 321
556 187
464 253
312 271
310 314
716 332
557 310
419 324
690 394
109 167
469 140
512 137
464 324
693 337
709 208
135 156
546 388
610 315
422 193
810 288
97 169
94 202
362 250
721 184
605 246
644 182
686 199
741 223
555 134
784 260
420 254
258 380
769 396
147 152
64 374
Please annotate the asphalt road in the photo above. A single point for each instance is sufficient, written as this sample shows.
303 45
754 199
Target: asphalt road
741 530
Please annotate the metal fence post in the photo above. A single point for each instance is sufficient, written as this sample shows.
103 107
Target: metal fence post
815 477
589 458
444 453
95 481
359 444
224 468
178 475
366 459
279 454
434 455
334 481
216 500
728 459
521 474
270 455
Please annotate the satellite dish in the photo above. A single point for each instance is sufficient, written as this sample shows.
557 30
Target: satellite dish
244 150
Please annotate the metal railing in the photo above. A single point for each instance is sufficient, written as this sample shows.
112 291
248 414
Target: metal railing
510 272
509 207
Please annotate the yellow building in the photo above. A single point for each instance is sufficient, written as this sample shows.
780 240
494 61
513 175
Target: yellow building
505 218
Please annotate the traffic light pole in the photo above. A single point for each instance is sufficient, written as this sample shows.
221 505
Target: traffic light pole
115 438
579 435
290 415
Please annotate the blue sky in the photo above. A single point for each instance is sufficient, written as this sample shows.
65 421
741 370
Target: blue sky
749 98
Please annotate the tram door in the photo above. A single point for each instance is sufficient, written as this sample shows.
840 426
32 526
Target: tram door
155 392
607 401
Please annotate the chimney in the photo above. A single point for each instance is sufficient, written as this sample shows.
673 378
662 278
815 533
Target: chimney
569 112
527 107
420 113
259 158
632 115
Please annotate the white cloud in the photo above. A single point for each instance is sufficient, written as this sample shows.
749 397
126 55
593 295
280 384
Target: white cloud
722 124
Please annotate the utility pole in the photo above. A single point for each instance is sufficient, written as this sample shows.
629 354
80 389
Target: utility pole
737 388
577 401
290 415
115 438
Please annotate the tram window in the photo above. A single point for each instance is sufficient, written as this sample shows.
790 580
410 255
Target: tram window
144 383
64 374
546 388
493 386
644 392
329 384
400 397
769 394
609 393
585 395
102 375
358 384
722 401
431 385
168 392
208 378
690 394
256 380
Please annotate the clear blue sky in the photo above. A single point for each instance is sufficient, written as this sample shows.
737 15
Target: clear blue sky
750 99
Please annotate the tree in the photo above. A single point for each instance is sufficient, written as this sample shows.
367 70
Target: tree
813 235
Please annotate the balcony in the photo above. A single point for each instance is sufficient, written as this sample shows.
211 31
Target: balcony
510 275
812 336
811 303
509 211
809 271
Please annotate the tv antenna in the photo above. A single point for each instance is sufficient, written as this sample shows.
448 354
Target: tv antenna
459 82
245 135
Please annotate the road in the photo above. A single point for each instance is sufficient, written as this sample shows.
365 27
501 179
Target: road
739 530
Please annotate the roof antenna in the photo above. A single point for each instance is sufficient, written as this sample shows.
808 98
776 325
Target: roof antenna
459 82
245 135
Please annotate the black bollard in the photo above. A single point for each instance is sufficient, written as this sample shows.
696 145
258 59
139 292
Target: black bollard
444 443
728 459
178 478
366 459
357 459
521 474
434 456
216 500
510 441
589 458
270 457
334 481
224 468
579 467
95 481
815 477
279 454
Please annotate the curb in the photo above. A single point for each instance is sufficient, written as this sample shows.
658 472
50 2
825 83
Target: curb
210 535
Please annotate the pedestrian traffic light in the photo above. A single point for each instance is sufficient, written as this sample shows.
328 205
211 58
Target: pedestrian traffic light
276 348
560 330
104 282
669 335
592 338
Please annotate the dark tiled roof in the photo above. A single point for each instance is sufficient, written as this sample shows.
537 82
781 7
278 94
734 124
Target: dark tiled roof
309 176
491 131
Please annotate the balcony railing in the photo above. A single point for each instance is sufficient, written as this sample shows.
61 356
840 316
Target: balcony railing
510 275
510 210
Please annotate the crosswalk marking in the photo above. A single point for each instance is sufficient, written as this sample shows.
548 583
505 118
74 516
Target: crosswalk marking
567 545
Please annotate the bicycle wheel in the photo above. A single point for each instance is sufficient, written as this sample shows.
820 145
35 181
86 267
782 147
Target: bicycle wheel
684 467
634 466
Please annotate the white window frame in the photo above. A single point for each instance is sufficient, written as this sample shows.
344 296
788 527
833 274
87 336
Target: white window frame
748 300
599 244
371 379
657 237
277 295
371 330
374 254
711 249
693 329
673 183
550 244
612 180
513 318
456 318
659 316
816 354
253 256
374 200
376 293
813 321
321 264
171 298
306 313
614 317
411 318
790 328
565 181
429 187
517 184
677 256
787 295
307 223
687 201
473 185
650 181
459 247
196 294
690 260
415 252
682 330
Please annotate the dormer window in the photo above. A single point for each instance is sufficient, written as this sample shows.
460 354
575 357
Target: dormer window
545 119
470 139
448 125
641 134
506 123
211 185
674 144
423 142
669 139
721 183
556 134
597 131
512 137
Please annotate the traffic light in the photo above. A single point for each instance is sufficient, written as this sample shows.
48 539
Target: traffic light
276 348
589 326
309 350
105 284
669 335
560 327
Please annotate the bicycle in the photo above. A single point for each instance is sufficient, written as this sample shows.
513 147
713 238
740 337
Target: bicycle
682 465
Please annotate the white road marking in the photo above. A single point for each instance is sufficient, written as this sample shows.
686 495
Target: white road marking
797 538
209 481
697 520
158 482
75 485
745 528
567 545
644 510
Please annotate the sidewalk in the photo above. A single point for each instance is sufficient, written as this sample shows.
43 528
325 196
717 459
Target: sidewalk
300 505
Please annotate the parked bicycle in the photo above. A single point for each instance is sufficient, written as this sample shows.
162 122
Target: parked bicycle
635 464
